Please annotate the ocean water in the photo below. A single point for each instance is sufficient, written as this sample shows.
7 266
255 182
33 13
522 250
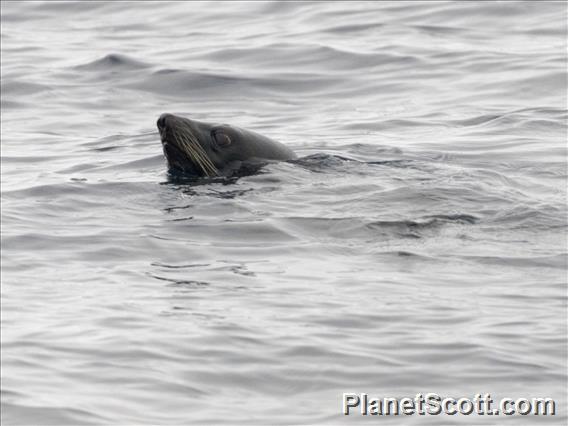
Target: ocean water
418 245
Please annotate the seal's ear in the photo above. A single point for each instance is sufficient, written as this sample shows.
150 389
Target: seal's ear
221 138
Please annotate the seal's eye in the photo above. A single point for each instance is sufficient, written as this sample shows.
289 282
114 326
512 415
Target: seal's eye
222 139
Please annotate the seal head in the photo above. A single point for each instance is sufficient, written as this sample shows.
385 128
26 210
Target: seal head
206 150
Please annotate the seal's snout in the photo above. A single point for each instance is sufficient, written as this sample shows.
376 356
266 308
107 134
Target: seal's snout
162 121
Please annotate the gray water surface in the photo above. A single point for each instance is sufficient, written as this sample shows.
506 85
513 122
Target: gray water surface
419 246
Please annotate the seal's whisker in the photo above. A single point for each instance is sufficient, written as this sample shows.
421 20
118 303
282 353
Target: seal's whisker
197 155
198 149
188 148
190 145
184 146
190 151
194 150
203 154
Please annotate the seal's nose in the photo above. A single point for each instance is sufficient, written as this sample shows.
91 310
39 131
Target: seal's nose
162 121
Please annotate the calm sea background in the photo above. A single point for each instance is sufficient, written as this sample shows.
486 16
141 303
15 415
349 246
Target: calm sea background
421 247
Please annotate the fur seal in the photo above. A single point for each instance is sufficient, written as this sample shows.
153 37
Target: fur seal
202 149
